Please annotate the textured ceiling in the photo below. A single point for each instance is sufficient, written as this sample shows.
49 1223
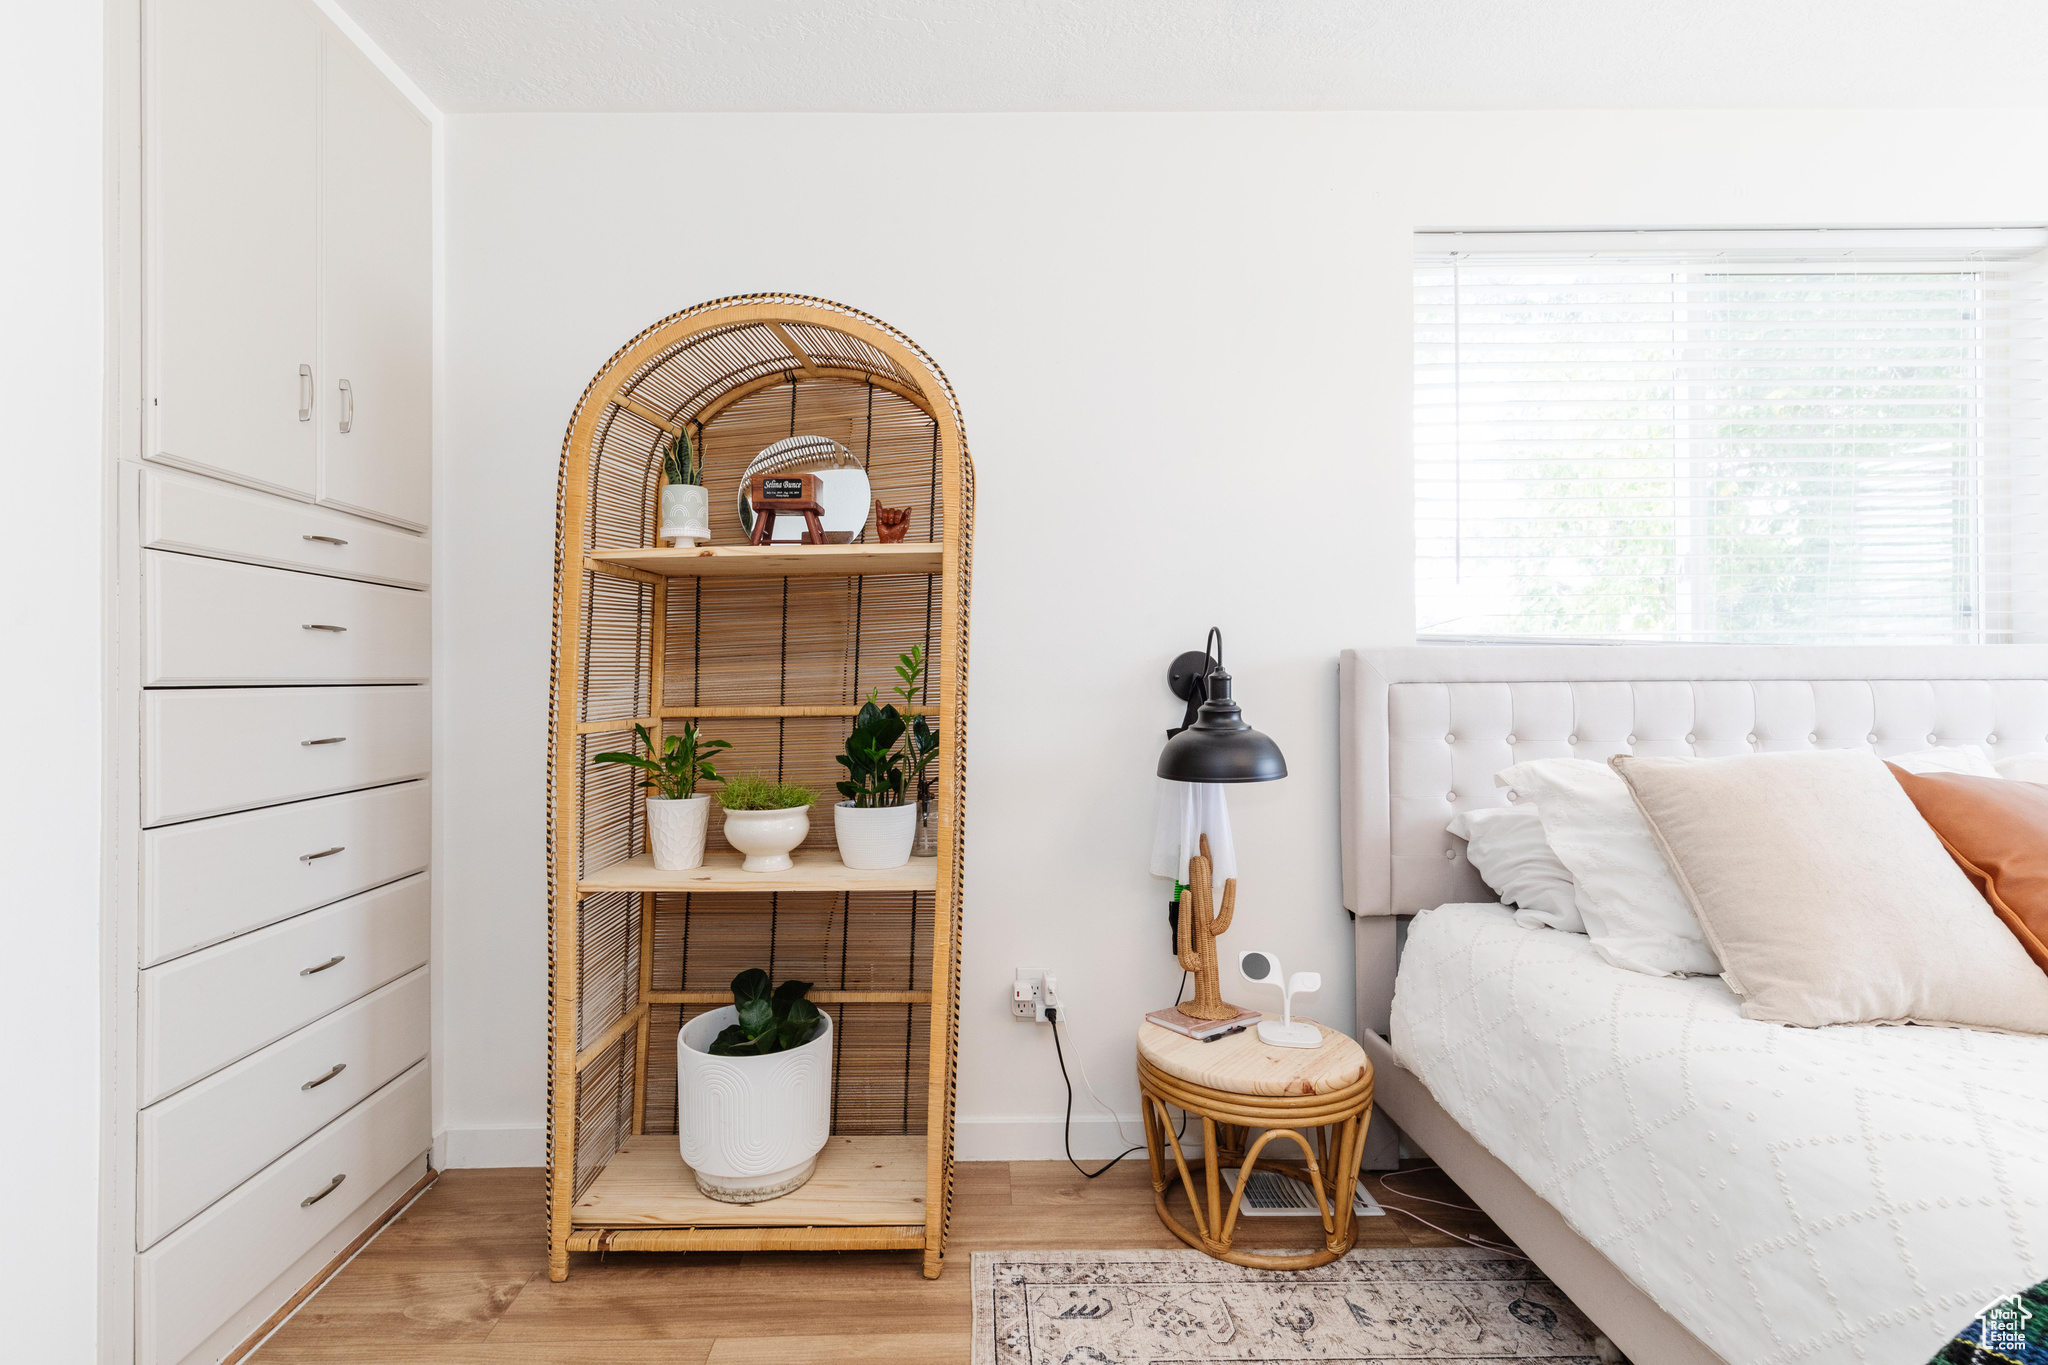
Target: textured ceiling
996 55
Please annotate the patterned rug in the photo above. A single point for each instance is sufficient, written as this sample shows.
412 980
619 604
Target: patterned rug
1171 1307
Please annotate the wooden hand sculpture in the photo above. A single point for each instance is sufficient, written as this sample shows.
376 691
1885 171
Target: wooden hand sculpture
891 522
1198 933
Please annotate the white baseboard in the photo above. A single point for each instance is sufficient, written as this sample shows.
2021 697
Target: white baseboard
508 1145
1039 1139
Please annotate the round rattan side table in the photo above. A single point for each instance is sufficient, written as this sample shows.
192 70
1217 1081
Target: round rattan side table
1313 1102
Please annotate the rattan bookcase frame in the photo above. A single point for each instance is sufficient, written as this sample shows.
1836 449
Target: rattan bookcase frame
774 651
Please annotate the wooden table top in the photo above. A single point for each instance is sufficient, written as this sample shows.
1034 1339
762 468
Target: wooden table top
1242 1065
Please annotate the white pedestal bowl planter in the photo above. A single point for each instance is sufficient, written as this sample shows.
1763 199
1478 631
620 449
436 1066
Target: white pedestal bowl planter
675 831
751 1127
767 836
685 513
876 837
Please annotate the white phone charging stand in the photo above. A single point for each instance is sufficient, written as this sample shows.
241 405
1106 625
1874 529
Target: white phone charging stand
1263 969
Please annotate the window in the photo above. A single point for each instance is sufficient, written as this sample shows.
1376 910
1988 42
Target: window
1771 436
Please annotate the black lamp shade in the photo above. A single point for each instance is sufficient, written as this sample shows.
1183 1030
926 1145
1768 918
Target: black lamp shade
1219 746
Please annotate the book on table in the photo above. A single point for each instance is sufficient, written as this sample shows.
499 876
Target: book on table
1202 1030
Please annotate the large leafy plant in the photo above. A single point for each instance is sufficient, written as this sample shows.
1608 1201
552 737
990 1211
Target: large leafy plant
676 765
877 771
770 1021
679 463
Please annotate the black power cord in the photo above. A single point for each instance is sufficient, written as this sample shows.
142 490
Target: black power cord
1052 1017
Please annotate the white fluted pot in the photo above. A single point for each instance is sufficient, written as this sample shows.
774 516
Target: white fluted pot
751 1128
676 830
767 836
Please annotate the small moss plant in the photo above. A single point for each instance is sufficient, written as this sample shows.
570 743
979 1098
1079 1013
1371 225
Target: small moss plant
751 791
769 1021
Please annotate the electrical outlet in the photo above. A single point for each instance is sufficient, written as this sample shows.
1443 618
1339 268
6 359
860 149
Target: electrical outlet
1027 995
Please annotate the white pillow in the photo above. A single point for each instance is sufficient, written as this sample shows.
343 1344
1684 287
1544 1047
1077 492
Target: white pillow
2019 768
1632 908
1829 898
1506 845
1966 759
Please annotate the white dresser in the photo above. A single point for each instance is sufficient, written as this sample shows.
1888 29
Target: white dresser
276 622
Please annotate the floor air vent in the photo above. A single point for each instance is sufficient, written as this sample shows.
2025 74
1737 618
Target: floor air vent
1272 1195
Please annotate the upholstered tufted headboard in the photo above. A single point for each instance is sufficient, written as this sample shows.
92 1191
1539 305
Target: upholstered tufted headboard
1423 729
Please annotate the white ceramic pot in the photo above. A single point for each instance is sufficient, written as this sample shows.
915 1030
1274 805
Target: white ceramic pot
685 513
767 836
751 1127
877 837
675 831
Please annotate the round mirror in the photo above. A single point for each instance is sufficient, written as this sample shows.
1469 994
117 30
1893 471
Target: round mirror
842 488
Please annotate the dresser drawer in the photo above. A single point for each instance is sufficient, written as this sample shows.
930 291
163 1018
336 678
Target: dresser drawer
206 1139
206 751
194 1279
203 518
211 1007
208 880
210 623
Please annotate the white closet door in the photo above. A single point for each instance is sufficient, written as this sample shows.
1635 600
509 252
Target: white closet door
232 190
376 281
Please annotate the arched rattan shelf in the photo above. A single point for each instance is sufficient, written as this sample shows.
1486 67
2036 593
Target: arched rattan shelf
772 648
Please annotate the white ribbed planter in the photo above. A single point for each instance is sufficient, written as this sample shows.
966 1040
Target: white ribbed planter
751 1128
767 836
675 831
685 513
877 837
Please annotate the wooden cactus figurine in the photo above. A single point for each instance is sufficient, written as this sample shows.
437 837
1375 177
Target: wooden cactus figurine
1198 933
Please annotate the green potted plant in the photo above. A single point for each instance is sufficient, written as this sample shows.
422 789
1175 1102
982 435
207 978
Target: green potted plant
875 825
754 1091
685 505
676 814
765 820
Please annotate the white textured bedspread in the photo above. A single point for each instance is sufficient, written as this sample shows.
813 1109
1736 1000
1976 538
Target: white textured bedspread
1837 1195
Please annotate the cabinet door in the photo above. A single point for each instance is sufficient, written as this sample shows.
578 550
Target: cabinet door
376 280
232 190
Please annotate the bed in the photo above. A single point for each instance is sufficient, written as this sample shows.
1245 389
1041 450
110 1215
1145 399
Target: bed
1707 1188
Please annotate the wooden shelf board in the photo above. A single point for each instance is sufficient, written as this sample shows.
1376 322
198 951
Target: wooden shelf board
776 561
860 1182
815 870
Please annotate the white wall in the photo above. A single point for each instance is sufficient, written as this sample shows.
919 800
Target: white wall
51 365
1215 304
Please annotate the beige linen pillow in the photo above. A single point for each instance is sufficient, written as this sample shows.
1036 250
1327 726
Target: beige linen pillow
1826 896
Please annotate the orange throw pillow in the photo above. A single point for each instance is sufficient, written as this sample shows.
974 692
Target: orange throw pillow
1997 831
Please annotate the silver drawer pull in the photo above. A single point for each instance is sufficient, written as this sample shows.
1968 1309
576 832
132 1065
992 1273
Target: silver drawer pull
326 540
305 393
338 630
337 959
319 1081
310 1200
348 406
332 739
323 853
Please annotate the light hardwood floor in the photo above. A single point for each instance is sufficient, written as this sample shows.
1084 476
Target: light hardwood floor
462 1277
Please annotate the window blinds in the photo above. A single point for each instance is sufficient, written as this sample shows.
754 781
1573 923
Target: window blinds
1774 436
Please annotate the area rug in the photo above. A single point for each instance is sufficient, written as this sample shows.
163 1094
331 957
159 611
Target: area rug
1171 1307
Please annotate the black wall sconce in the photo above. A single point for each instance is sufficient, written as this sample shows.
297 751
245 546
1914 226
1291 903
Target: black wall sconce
1212 743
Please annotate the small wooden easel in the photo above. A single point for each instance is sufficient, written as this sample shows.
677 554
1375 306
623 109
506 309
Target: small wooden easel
792 493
